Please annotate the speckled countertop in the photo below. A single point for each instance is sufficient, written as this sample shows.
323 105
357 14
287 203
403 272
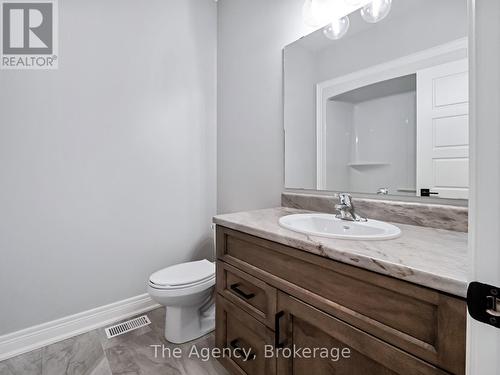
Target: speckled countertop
434 258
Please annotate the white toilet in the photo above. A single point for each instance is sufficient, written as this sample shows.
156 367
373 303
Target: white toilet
187 292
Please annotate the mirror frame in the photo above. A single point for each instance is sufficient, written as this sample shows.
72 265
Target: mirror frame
402 66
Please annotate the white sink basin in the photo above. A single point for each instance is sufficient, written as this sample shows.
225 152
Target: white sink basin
326 225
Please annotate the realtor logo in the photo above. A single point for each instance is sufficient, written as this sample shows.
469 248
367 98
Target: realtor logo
29 34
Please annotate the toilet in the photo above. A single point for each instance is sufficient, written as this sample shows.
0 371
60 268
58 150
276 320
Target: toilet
187 292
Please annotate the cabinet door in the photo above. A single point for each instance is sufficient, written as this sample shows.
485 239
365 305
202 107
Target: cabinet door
324 344
239 332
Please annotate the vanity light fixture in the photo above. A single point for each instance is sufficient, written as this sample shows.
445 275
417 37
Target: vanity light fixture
318 13
337 28
355 3
376 11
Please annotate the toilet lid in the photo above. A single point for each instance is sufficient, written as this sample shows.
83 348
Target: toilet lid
184 274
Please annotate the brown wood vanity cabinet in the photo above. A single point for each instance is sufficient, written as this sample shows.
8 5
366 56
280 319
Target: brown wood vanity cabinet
273 299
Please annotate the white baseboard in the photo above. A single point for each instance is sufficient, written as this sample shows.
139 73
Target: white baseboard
35 337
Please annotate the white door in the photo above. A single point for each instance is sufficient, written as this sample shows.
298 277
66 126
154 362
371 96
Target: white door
443 130
483 350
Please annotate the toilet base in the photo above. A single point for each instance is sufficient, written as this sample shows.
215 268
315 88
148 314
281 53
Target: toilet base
183 324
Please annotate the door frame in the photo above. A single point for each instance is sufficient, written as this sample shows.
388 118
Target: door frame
483 342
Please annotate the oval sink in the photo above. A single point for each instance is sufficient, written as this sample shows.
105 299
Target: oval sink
326 225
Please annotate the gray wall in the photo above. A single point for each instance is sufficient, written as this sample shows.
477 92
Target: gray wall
252 34
107 165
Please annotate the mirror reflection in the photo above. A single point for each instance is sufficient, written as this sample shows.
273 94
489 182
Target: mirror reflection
382 109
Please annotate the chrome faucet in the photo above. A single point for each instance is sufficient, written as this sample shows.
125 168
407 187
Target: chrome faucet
345 209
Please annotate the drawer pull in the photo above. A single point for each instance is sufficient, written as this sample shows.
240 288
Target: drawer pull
234 344
277 334
236 288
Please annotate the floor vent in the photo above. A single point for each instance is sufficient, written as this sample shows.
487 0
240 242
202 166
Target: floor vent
129 325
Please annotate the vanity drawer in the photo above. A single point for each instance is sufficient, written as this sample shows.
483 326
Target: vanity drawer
421 321
237 329
249 293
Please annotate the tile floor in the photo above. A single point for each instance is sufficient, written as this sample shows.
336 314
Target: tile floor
129 354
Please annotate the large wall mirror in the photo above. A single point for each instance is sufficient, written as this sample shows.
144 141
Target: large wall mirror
384 108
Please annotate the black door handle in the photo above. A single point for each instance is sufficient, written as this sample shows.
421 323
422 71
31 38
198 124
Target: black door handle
235 345
236 288
483 302
277 334
427 192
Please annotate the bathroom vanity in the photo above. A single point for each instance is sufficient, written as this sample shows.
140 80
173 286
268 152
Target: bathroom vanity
397 306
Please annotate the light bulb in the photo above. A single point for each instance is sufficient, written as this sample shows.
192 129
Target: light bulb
376 11
308 16
353 2
337 28
322 11
317 13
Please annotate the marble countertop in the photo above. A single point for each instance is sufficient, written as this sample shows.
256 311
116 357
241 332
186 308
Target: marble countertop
430 257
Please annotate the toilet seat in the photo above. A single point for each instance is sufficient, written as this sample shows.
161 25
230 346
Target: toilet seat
188 277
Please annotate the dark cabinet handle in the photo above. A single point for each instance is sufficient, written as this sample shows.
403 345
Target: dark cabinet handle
427 192
236 288
277 334
234 344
